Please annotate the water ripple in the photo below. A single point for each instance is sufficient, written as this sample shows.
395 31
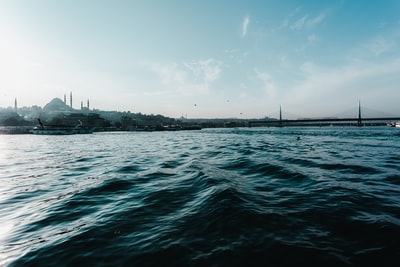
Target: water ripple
217 197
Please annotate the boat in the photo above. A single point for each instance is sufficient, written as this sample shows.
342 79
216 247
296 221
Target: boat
56 130
394 124
15 129
191 127
60 130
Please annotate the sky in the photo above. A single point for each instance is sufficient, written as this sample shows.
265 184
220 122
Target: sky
203 58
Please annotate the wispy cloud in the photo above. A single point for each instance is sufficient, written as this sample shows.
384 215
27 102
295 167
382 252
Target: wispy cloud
311 23
302 22
299 23
295 11
269 86
379 45
187 77
285 22
169 73
312 38
245 25
285 62
325 87
205 71
236 55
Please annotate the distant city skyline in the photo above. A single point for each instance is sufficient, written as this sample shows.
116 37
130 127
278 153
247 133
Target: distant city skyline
203 59
280 114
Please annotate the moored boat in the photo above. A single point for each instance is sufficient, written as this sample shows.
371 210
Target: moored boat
394 124
60 130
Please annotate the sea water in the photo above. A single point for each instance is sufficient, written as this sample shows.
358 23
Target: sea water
216 197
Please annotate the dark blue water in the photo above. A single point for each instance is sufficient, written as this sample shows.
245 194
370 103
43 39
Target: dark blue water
218 197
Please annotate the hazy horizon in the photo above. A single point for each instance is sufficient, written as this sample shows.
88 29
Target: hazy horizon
203 59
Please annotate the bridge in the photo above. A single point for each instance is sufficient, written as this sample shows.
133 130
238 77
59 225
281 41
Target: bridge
326 121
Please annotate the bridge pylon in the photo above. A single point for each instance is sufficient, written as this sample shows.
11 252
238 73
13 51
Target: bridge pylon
359 120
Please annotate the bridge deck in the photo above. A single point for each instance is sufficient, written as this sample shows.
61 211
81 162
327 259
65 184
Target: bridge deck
324 121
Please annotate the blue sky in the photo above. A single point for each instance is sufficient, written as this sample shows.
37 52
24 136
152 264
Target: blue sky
206 58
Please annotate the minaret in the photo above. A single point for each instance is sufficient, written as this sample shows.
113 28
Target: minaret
15 105
70 99
88 104
81 105
280 116
359 121
65 99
